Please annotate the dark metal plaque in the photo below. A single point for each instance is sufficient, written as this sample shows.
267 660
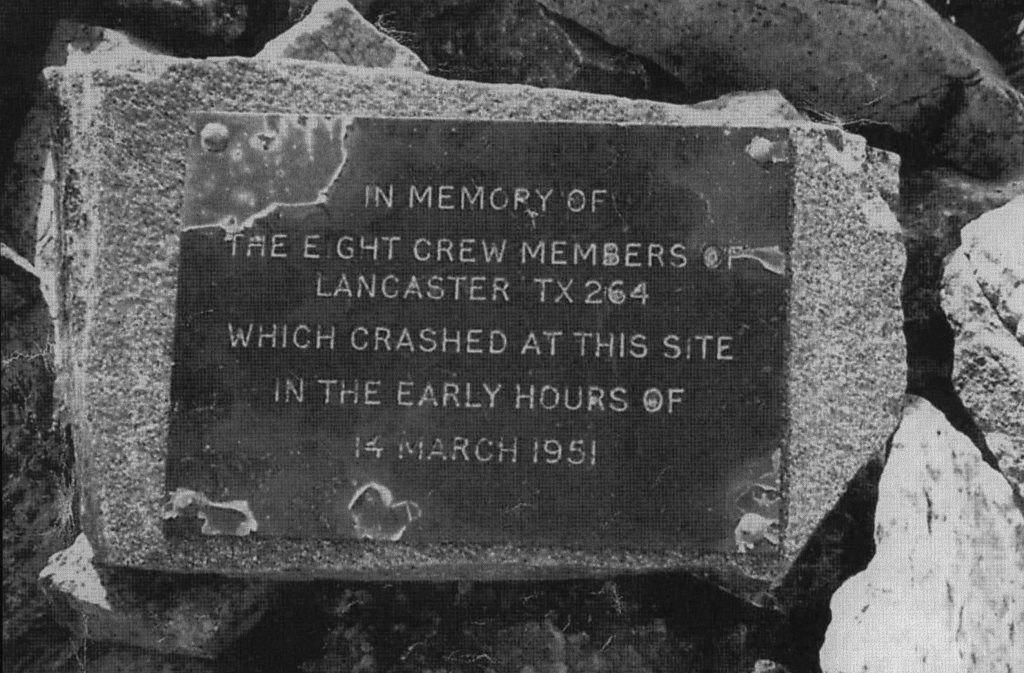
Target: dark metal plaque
482 332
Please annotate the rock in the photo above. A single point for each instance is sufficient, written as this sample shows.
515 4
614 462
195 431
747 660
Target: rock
1010 458
24 31
126 156
768 666
998 25
994 246
160 613
129 660
754 104
895 65
71 39
189 28
512 41
27 194
935 204
983 297
334 32
840 547
102 43
70 572
945 590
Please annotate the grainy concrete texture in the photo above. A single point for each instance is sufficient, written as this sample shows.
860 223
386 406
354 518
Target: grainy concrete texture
120 170
945 590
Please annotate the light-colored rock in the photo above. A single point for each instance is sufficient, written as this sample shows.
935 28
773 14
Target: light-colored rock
983 298
1010 456
994 246
945 590
892 63
769 105
334 32
71 572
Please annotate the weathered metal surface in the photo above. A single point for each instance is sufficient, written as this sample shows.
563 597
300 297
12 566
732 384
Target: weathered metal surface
483 332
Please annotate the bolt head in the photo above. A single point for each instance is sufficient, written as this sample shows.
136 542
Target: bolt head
214 137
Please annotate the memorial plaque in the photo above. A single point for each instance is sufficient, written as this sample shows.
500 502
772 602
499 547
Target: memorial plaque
482 332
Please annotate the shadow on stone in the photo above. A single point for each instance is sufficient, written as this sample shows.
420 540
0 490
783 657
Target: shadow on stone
651 622
840 547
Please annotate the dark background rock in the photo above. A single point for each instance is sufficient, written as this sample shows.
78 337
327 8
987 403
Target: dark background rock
935 204
842 546
628 624
190 27
996 25
895 71
25 28
38 492
507 41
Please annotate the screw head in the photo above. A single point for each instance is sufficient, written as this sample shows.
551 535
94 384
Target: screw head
214 137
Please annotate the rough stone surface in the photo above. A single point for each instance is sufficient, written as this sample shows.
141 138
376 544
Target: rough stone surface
159 613
334 32
998 25
24 183
840 547
935 204
983 297
945 590
895 64
131 660
513 41
121 172
641 623
71 572
769 104
27 196
27 186
193 27
636 624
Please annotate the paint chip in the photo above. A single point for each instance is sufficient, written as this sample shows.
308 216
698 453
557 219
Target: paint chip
754 528
376 516
232 517
764 151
